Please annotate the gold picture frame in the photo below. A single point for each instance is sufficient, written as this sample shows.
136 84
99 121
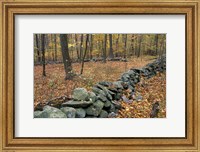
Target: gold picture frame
9 8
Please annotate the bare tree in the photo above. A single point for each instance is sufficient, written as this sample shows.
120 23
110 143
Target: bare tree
104 50
156 43
66 57
77 48
38 47
55 43
111 49
117 43
86 49
125 45
91 45
81 48
43 54
140 43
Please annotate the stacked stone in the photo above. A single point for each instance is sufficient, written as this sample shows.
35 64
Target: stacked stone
104 99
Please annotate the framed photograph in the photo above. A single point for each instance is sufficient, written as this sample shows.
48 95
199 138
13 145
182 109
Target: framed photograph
99 75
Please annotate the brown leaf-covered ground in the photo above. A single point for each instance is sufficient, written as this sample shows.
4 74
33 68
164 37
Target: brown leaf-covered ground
152 90
54 85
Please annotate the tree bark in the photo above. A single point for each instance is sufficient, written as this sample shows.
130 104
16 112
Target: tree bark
66 57
104 52
55 43
91 46
43 54
156 42
77 48
81 48
132 44
38 48
140 43
86 48
125 45
111 49
117 45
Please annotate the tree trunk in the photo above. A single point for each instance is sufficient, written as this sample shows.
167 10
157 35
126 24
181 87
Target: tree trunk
117 45
156 42
55 43
81 48
52 52
104 52
111 49
77 48
86 48
139 48
132 45
66 57
91 46
38 48
43 53
125 45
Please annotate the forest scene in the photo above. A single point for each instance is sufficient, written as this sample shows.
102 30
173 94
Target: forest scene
99 75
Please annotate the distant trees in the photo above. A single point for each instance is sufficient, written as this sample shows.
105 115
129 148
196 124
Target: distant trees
66 57
70 48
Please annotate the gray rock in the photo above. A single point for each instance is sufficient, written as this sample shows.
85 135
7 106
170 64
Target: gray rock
80 113
92 96
69 111
125 99
37 114
77 104
105 83
51 112
112 108
102 97
139 98
112 115
98 91
118 96
105 90
95 109
80 94
125 77
117 104
103 114
107 104
131 73
118 84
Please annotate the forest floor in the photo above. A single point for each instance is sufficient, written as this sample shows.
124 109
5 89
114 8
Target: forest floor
152 90
54 85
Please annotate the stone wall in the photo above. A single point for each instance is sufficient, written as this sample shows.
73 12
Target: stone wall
104 99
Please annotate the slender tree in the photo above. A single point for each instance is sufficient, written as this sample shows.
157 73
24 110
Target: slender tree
91 45
132 45
81 48
86 49
117 43
156 43
38 48
111 48
125 45
43 53
55 47
139 45
104 52
77 48
66 57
